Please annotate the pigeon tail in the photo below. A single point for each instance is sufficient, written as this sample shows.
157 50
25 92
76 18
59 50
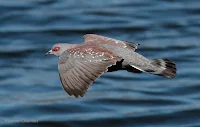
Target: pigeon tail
162 67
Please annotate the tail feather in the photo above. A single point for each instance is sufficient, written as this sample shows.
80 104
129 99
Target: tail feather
164 67
161 67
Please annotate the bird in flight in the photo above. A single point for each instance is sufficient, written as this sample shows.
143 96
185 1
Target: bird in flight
81 64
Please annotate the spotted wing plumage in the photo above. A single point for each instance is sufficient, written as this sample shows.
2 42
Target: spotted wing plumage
101 40
81 66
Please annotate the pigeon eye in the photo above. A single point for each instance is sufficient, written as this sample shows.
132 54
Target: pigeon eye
57 48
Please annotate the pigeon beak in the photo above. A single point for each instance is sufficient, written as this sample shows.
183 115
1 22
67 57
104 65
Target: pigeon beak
49 52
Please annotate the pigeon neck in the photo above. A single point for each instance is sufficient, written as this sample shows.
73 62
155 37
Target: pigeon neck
66 47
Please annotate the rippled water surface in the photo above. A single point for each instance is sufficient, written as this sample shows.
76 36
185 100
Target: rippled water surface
30 88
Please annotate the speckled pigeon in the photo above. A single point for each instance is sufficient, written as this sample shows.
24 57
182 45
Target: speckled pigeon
81 64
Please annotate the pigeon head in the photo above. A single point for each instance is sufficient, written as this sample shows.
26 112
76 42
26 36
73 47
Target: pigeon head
58 49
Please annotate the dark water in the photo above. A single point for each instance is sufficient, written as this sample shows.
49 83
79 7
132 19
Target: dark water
30 88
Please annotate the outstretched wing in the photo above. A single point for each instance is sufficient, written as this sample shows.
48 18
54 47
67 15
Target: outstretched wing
101 40
81 66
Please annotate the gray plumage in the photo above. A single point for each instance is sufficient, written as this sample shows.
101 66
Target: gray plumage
81 64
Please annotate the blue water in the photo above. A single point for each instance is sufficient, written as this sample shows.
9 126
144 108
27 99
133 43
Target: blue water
30 88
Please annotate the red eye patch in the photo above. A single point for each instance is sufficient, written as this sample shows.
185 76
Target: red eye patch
57 48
